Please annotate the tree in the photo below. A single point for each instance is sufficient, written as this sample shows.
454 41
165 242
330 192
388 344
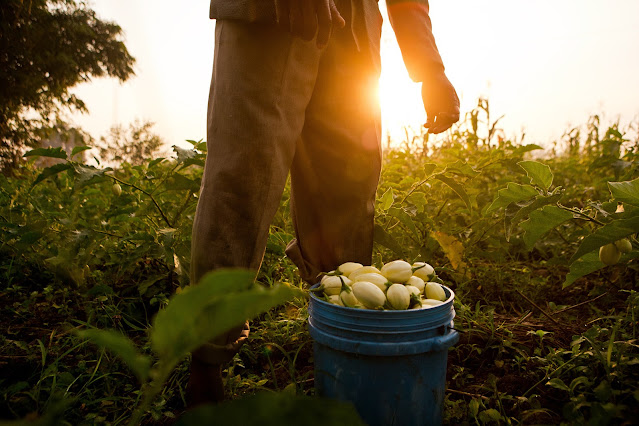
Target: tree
134 145
46 48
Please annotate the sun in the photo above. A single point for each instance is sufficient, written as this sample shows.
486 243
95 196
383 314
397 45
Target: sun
399 97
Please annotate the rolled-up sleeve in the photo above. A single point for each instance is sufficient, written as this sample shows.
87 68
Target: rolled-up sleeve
413 29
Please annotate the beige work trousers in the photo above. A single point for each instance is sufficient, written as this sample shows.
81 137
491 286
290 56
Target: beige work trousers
277 105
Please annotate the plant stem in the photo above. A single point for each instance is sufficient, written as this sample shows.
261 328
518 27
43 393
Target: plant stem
166 219
535 305
580 213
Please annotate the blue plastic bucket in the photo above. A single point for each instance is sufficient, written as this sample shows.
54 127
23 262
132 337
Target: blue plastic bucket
390 364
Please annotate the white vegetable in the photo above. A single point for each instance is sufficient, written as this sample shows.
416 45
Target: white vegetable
335 300
423 270
363 270
349 299
349 267
430 303
332 284
413 290
434 291
369 294
415 281
398 296
397 271
377 279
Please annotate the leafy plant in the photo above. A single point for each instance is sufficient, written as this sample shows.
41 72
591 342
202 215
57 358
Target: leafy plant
222 300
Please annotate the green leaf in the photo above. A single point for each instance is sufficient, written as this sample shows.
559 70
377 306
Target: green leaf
607 234
51 171
489 415
603 391
47 152
121 346
178 182
405 219
536 204
513 193
557 383
87 173
418 199
274 409
473 407
79 149
542 221
222 300
462 168
198 161
154 162
583 266
457 188
387 199
626 192
429 168
527 148
384 238
538 173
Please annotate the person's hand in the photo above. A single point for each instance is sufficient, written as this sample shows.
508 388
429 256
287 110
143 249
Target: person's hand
306 18
441 104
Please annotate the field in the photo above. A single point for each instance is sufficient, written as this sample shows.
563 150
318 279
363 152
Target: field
548 332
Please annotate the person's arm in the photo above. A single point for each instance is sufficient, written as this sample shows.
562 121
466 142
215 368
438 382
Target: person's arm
411 23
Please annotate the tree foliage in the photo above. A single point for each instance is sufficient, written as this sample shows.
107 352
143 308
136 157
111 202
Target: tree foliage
135 145
46 48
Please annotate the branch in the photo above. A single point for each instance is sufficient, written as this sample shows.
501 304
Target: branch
166 219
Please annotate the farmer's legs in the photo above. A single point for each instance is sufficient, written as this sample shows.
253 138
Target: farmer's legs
336 167
262 81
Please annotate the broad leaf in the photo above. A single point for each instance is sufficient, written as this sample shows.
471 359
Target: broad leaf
384 238
522 213
513 193
453 248
626 192
542 221
418 199
462 168
527 148
222 300
86 173
121 346
557 383
198 161
457 188
178 182
47 152
274 409
51 171
405 219
538 173
79 149
155 162
583 266
387 200
429 168
607 234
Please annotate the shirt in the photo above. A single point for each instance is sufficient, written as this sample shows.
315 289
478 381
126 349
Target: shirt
409 18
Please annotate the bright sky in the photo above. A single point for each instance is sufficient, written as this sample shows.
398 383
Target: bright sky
544 64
